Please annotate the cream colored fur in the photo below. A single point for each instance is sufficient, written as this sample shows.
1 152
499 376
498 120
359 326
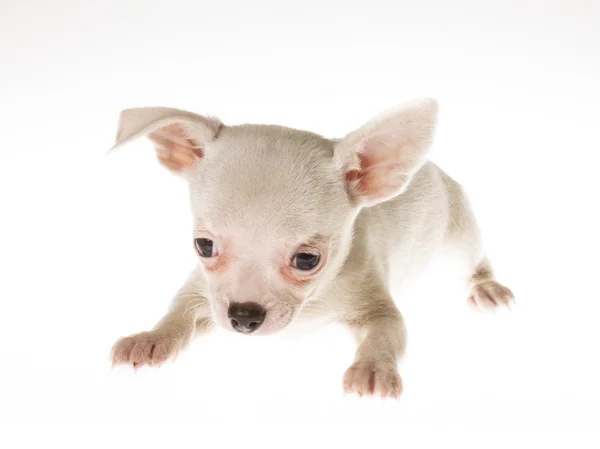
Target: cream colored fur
370 204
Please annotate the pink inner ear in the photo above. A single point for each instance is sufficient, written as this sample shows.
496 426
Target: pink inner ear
379 181
174 149
175 134
382 171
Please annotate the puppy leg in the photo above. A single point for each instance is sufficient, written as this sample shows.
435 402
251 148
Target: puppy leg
381 336
465 236
188 315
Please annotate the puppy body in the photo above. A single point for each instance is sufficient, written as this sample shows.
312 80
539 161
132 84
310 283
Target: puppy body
368 207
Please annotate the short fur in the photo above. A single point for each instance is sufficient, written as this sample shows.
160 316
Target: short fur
371 205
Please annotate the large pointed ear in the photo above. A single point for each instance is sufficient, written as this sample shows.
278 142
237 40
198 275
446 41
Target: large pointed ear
179 137
380 158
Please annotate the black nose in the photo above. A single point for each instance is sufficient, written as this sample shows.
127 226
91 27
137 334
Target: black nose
246 316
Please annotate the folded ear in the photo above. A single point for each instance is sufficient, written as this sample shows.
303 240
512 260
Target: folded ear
380 158
179 137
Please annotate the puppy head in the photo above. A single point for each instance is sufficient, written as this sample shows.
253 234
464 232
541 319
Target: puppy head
274 207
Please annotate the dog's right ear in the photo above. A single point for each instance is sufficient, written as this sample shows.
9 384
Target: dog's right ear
179 137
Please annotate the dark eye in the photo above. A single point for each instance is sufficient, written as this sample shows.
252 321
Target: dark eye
306 261
205 247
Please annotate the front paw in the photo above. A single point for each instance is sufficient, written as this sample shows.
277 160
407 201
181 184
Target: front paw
147 348
490 294
372 378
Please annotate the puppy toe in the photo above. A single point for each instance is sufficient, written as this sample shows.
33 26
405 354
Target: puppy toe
489 295
372 379
147 348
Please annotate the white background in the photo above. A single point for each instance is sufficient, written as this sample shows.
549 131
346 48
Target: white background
93 247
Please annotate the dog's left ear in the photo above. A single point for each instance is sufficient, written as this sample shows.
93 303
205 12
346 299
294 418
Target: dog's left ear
179 137
380 158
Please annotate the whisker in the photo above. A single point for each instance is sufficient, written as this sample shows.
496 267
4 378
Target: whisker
193 306
190 295
210 325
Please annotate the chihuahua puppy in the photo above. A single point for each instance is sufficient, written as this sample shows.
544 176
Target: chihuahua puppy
286 219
